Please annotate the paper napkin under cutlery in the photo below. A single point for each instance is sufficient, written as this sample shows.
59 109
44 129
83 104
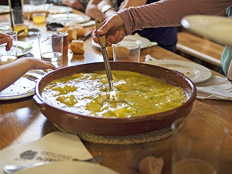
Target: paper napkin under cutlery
56 146
217 88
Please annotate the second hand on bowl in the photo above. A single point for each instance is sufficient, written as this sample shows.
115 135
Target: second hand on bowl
102 43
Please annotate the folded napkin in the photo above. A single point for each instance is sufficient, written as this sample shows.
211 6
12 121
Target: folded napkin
217 88
56 146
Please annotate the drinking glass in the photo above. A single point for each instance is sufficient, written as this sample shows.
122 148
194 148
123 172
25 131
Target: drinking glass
197 146
51 48
127 51
20 21
8 56
38 16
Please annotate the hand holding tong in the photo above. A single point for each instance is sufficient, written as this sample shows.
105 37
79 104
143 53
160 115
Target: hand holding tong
102 43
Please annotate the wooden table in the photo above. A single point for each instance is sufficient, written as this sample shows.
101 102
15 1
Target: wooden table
21 122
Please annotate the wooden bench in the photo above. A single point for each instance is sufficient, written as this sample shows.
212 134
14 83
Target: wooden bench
200 48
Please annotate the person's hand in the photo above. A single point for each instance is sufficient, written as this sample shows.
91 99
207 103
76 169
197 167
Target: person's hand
40 64
74 4
6 39
113 28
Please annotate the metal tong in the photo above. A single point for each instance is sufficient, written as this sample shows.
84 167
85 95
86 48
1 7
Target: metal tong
102 43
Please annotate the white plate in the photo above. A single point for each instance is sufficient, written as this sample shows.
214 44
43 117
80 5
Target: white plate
63 18
47 7
215 27
4 9
69 168
23 87
144 41
22 49
195 72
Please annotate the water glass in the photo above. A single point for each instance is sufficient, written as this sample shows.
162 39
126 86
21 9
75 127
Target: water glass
12 53
196 147
20 21
51 48
127 51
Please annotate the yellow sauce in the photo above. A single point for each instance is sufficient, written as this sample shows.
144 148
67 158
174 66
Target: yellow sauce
87 94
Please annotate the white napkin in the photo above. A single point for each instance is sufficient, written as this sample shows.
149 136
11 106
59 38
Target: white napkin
56 146
217 88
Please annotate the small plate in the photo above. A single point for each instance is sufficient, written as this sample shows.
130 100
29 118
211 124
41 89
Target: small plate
195 72
215 27
23 87
4 9
63 18
69 167
144 41
23 48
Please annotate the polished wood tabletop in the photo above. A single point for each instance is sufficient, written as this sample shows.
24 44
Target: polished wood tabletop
21 121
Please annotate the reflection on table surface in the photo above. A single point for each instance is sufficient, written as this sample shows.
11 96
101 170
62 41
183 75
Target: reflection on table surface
21 120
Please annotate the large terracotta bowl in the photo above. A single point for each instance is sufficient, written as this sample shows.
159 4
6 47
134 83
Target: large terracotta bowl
117 126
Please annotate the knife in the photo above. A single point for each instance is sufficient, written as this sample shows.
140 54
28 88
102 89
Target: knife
86 36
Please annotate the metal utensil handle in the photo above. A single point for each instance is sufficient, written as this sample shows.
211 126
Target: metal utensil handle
102 42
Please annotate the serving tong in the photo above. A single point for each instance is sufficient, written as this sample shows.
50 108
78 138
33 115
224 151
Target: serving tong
15 168
102 43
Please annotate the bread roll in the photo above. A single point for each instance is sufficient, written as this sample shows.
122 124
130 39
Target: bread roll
77 46
72 34
109 52
80 32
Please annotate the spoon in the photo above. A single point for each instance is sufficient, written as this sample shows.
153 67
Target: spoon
102 43
15 168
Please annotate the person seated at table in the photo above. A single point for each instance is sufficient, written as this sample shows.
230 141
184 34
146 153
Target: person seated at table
163 14
9 73
166 37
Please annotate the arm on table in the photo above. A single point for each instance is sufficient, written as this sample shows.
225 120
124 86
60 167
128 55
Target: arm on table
9 73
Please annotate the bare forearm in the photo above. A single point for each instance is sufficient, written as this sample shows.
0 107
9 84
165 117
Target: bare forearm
168 13
9 73
92 10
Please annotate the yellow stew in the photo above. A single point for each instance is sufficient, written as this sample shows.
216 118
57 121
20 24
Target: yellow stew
87 94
